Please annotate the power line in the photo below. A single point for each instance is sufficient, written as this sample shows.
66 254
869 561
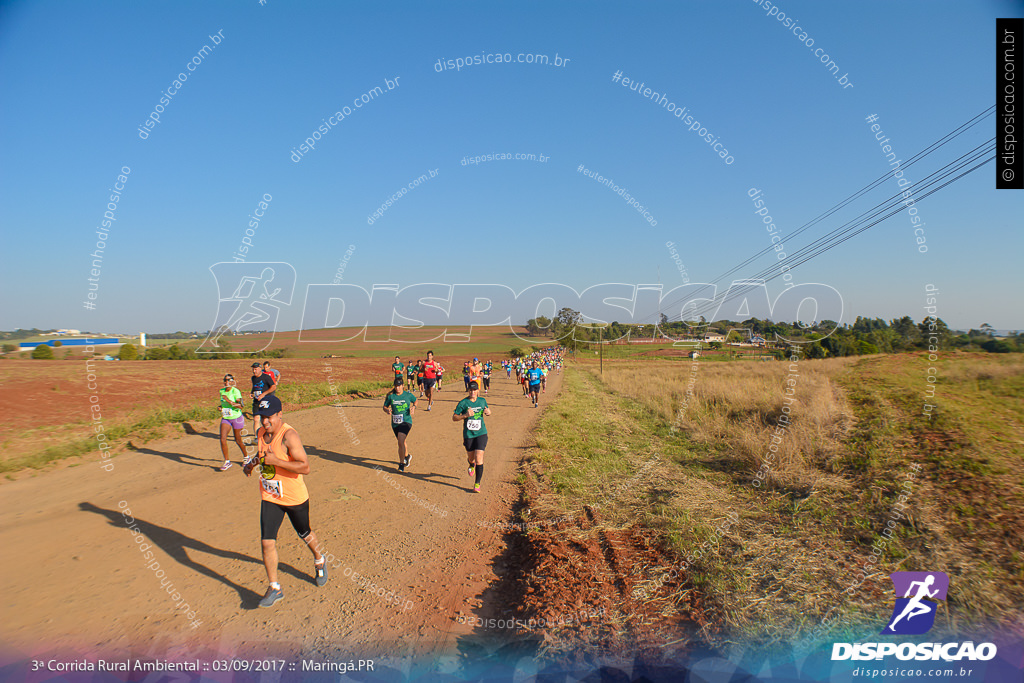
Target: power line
864 221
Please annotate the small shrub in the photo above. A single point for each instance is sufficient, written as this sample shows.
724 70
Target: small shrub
42 352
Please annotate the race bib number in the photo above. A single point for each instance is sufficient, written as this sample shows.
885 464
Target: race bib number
474 425
397 419
257 392
226 413
272 486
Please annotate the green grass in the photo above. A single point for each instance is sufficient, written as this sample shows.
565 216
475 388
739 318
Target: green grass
145 427
311 392
151 425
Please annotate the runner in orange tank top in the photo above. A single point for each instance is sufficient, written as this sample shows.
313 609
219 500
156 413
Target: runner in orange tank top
282 461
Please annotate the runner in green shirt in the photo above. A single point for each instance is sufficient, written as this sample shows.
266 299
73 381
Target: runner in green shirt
397 367
400 405
472 410
231 418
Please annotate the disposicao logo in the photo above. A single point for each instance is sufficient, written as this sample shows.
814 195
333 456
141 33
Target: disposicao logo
914 614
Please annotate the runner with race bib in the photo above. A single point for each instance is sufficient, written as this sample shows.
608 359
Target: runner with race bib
534 376
400 405
262 384
281 461
429 378
231 418
471 410
410 374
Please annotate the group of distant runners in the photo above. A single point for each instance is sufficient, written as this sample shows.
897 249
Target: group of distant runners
282 460
532 371
400 404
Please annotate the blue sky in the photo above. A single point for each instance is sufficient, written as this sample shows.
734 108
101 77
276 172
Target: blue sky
78 79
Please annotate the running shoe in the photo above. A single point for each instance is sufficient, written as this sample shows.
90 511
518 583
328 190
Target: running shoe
226 466
408 459
471 470
401 466
272 596
476 488
320 572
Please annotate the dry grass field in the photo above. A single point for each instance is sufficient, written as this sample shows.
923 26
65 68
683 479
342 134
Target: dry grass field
777 540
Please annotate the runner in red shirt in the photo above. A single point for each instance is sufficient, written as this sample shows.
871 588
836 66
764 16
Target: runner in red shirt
429 377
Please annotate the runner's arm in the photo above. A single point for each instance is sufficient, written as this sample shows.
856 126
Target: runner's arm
299 463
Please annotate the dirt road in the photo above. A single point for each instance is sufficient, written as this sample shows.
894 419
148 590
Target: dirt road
78 579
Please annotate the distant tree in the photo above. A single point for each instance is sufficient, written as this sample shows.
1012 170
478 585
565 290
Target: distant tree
568 318
42 352
941 332
8 348
814 350
157 353
884 340
906 331
865 348
128 352
754 325
988 330
999 346
57 344
734 337
715 345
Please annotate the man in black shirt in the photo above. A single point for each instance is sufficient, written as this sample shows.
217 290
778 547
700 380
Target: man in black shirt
263 384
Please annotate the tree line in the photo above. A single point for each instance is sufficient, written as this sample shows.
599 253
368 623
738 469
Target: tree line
824 339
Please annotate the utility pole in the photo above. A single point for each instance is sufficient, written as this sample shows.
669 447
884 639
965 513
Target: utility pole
600 346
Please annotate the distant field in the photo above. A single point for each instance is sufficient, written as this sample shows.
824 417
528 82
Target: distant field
48 401
383 342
